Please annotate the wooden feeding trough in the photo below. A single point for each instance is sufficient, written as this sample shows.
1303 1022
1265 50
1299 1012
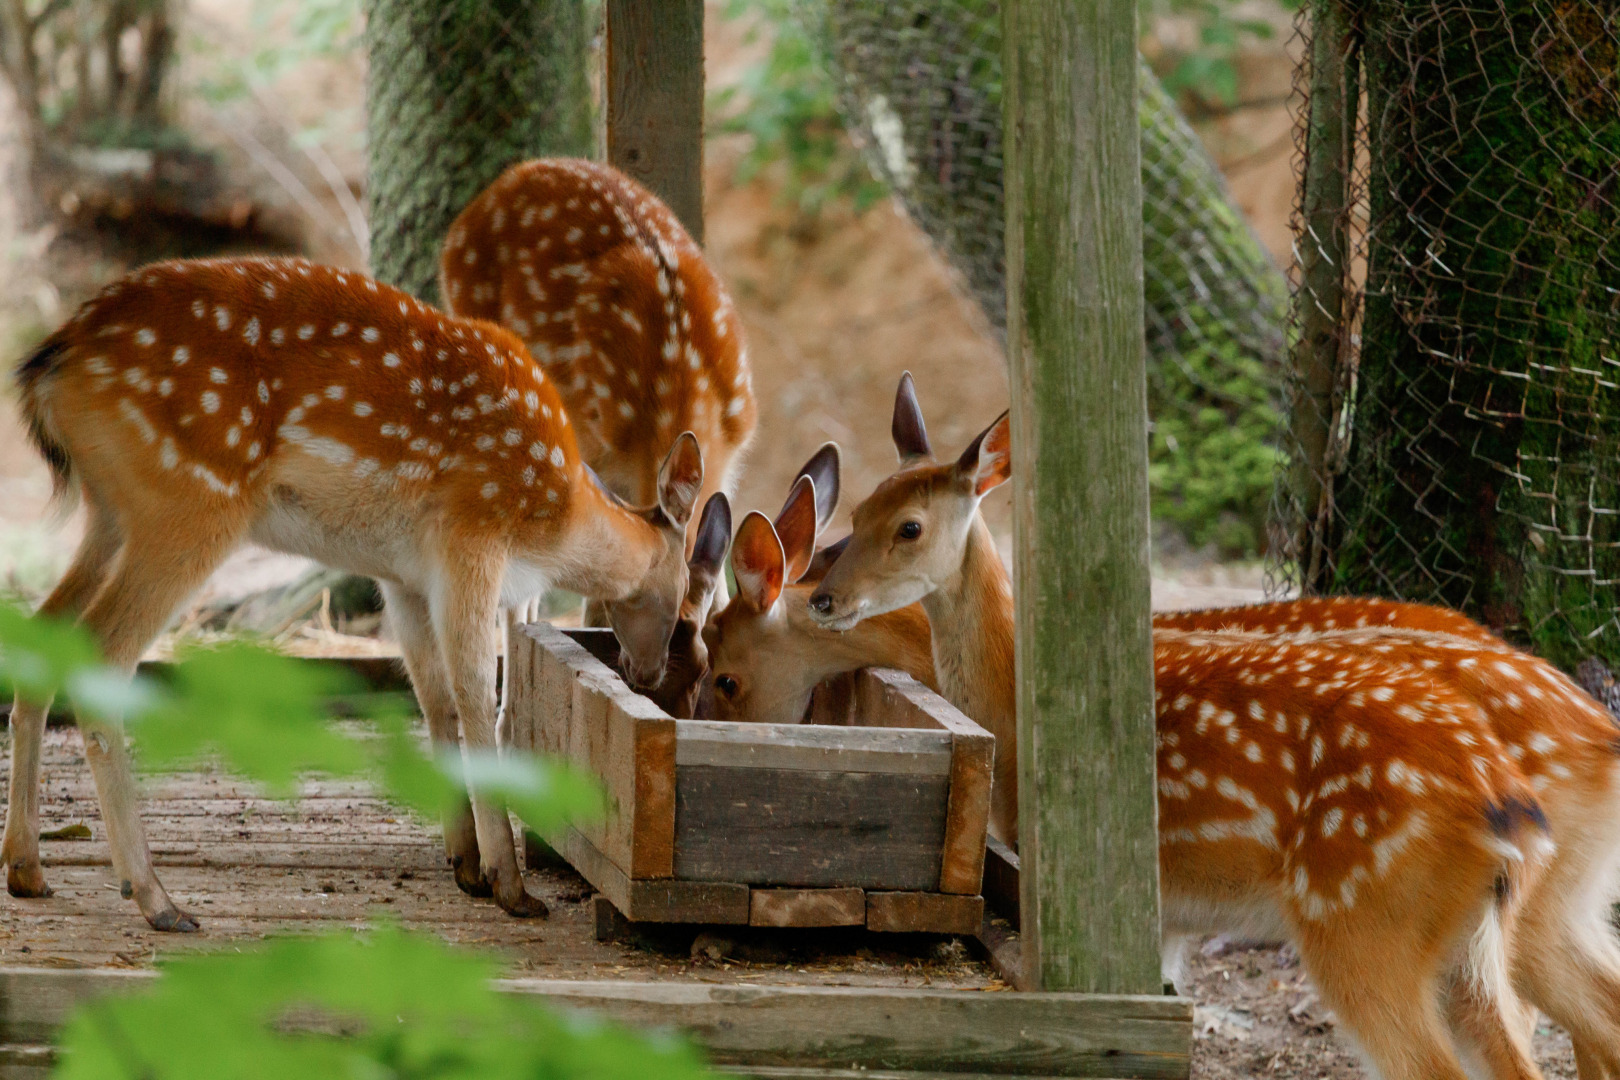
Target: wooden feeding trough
879 822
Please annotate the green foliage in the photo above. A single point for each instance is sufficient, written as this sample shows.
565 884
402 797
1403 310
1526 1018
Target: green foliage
788 107
387 1003
1208 71
313 30
1212 457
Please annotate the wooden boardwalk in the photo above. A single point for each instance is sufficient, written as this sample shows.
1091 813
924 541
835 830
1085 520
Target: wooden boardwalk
249 866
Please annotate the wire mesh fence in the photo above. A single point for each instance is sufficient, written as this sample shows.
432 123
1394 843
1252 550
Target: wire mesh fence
919 85
1455 412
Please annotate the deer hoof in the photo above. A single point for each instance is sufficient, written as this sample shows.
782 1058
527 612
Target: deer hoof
175 920
26 881
524 905
470 879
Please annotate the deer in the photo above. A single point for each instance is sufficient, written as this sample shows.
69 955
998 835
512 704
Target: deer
632 325
765 653
1302 788
195 405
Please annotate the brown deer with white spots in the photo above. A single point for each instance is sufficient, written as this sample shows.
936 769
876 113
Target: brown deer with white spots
617 302
197 405
766 653
1357 803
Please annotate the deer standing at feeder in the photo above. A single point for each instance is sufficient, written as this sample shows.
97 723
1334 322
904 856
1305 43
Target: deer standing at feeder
619 305
198 405
766 653
1328 793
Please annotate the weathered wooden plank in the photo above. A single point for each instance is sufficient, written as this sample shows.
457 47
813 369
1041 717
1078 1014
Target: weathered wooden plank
600 642
1080 496
997 944
923 912
890 697
659 900
933 1032
807 907
360 856
807 748
833 702
782 827
1001 879
783 1031
655 101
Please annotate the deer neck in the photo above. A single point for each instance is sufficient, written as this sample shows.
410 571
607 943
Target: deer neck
971 619
894 639
607 549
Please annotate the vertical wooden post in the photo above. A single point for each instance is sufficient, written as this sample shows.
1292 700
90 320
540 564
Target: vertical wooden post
1088 829
655 100
1324 257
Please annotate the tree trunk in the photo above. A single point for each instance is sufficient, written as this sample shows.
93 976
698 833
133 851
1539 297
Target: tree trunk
1482 473
457 91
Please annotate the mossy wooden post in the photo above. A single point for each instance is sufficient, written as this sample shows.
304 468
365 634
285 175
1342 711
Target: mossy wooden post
456 91
1088 816
655 100
1324 253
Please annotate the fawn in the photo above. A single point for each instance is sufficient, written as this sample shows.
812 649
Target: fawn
1358 805
195 405
766 654
640 337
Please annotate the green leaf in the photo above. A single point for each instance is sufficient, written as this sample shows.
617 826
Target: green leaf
39 653
264 714
544 793
387 1003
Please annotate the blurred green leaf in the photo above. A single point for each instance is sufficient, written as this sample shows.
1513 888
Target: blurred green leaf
388 1003
544 793
264 715
39 654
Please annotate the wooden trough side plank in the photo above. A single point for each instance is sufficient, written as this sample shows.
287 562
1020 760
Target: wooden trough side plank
34 1002
791 828
652 764
807 907
811 748
1001 879
889 697
661 900
923 912
903 1030
833 702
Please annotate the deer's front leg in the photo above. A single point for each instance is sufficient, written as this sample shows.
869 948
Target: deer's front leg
463 609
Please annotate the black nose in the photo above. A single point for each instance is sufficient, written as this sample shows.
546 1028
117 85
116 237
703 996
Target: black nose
821 602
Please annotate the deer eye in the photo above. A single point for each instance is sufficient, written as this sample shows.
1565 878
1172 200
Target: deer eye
910 530
725 684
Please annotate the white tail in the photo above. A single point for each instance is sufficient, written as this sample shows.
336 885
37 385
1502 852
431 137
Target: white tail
1379 809
197 405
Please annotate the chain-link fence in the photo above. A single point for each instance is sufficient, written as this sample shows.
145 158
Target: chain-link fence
1455 432
920 86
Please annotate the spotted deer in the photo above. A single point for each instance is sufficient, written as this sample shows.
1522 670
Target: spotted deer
617 302
196 405
1356 803
766 653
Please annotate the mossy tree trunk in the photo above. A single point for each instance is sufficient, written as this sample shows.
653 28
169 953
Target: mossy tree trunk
1482 473
458 90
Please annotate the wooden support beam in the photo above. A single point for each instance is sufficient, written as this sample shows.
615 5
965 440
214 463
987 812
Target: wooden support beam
655 100
1088 821
829 1032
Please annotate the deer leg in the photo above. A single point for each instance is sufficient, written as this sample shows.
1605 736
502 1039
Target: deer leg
20 850
424 661
150 581
467 594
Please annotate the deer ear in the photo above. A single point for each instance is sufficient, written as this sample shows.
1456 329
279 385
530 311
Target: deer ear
713 537
910 435
680 479
758 562
987 462
823 560
823 469
796 527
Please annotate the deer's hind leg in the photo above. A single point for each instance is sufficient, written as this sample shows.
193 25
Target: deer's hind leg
153 576
87 573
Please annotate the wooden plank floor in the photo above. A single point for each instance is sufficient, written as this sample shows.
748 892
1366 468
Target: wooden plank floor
249 867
